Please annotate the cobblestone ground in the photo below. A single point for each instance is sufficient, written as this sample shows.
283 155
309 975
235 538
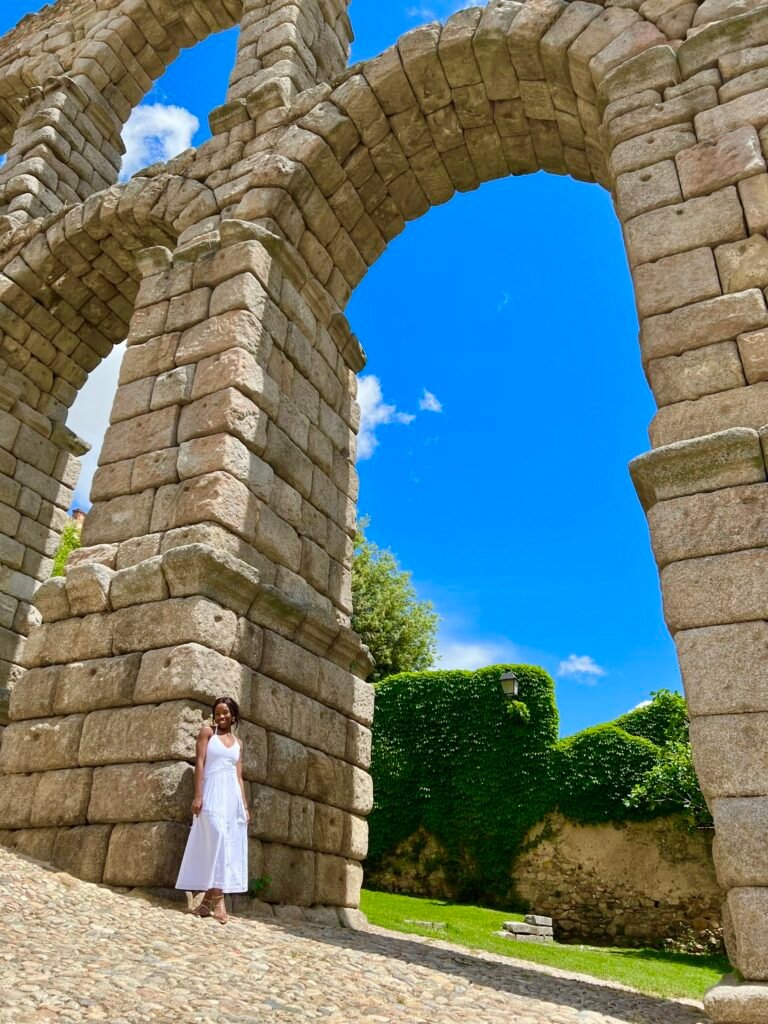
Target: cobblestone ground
71 951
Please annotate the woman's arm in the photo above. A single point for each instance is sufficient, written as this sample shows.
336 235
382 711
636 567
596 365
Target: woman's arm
201 750
240 780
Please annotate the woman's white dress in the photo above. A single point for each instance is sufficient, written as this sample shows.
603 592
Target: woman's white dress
216 856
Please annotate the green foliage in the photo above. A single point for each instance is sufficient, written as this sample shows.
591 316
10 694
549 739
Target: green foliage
671 785
448 756
453 759
400 631
663 720
70 541
598 769
257 887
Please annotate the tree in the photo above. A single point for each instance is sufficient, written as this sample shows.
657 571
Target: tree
400 630
671 786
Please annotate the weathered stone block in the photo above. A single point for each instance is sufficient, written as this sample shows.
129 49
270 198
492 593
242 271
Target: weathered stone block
743 265
730 754
139 584
142 792
702 323
190 672
271 704
676 281
703 371
706 221
61 798
41 745
82 851
355 842
748 909
740 851
200 569
139 435
119 519
92 685
753 349
328 829
289 663
292 874
171 623
287 764
88 589
164 732
37 843
145 854
270 814
337 881
725 668
733 1001
732 519
51 599
17 793
716 590
739 407
753 193
720 161
33 694
237 329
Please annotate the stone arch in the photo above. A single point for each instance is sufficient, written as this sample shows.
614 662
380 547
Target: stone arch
68 295
230 563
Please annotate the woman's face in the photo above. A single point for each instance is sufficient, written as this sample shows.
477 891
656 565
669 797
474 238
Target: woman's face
222 716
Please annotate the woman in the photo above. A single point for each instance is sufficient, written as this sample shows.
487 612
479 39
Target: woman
216 857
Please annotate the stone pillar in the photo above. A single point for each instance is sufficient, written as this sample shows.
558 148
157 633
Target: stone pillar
283 50
216 561
38 472
67 145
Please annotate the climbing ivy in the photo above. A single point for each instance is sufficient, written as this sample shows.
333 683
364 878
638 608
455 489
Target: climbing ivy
70 541
455 760
449 757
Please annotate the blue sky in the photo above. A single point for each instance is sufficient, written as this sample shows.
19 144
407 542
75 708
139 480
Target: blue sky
503 399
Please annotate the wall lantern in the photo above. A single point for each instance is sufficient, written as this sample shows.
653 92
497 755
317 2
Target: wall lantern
510 685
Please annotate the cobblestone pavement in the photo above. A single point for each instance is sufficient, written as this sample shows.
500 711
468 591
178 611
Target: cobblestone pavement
71 951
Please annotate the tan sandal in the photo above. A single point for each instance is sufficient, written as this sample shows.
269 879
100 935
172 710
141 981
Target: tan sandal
204 907
220 914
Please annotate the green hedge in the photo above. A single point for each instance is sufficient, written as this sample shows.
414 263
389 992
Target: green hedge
597 770
453 757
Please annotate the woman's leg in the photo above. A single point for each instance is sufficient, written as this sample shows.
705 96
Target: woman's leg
219 906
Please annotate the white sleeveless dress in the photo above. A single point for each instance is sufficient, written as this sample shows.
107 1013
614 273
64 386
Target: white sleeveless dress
216 856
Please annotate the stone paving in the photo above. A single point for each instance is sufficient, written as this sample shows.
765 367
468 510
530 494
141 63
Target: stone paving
74 951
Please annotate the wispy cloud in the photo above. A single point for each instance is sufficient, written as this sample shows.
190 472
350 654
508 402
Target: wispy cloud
504 303
581 668
441 9
430 402
155 131
455 654
375 413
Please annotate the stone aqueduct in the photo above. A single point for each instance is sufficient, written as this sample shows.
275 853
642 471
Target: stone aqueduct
217 554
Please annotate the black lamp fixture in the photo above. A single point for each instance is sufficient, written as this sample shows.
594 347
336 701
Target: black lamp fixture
510 685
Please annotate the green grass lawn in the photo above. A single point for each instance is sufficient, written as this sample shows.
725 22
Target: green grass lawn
649 970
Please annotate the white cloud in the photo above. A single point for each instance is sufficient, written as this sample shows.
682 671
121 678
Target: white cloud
375 413
503 304
156 132
454 654
430 402
89 418
582 668
642 704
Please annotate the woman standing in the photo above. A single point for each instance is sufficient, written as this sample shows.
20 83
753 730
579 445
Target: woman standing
216 857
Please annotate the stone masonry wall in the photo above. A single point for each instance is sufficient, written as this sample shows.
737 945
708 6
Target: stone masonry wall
634 884
233 430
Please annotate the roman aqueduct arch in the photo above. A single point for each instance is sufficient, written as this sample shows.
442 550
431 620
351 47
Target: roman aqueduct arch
219 546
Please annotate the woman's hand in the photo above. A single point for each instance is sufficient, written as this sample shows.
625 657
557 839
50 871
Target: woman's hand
197 805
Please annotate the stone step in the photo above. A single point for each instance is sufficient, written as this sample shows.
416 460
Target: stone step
519 937
523 928
545 922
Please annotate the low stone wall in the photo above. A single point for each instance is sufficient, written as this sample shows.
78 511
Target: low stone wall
624 884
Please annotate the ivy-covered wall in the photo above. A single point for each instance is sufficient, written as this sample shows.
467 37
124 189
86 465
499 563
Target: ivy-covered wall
458 766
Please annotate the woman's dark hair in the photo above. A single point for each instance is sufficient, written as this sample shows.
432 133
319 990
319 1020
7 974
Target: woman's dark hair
233 706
